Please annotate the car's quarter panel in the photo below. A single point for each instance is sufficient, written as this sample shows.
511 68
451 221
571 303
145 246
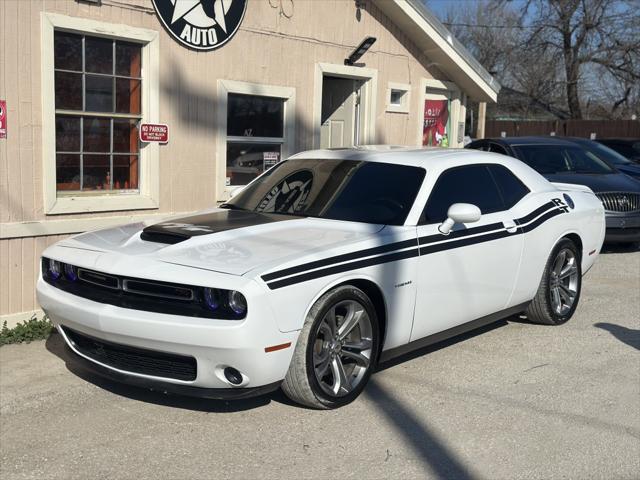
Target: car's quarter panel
585 219
387 261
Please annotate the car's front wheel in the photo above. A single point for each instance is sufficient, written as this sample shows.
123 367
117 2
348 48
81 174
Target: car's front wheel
336 351
559 291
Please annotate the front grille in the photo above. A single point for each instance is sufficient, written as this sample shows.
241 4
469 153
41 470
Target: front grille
132 359
620 201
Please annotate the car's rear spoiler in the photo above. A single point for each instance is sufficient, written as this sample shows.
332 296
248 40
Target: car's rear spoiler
572 187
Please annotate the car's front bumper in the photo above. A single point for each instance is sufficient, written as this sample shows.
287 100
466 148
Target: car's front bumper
622 227
166 387
214 344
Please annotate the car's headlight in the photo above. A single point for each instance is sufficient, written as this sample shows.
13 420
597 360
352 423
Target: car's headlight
231 300
237 303
52 269
71 272
211 298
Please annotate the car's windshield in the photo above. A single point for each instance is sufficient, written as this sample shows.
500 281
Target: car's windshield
555 159
351 190
607 154
630 150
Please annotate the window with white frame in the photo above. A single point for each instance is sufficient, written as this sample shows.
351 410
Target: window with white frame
99 82
256 130
398 96
98 105
255 134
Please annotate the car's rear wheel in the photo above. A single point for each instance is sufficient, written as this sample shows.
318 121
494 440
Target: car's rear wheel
559 291
336 351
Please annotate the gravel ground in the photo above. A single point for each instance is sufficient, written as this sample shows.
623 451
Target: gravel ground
513 400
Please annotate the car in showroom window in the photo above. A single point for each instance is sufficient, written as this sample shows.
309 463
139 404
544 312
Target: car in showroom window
324 267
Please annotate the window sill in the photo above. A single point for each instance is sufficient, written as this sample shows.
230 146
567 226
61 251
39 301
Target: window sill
100 203
397 108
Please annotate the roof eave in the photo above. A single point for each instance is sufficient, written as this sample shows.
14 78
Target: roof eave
439 45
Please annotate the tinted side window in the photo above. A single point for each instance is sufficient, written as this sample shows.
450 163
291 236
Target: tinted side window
511 188
470 184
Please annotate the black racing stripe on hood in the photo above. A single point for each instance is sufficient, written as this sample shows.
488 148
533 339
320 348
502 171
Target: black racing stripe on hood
180 229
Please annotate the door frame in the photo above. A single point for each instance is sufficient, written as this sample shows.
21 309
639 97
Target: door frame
368 98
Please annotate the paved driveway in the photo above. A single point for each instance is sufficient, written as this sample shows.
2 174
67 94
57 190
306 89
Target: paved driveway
513 401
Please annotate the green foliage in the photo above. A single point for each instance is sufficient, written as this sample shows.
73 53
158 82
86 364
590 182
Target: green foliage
27 331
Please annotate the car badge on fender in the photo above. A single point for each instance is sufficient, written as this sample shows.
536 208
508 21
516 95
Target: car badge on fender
201 24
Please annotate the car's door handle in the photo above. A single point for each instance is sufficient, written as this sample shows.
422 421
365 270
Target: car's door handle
511 226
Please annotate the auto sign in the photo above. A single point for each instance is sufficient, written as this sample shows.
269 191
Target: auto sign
201 24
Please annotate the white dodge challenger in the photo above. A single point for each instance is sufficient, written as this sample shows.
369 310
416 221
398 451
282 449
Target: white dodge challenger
324 266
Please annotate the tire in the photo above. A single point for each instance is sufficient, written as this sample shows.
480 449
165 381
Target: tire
559 291
324 346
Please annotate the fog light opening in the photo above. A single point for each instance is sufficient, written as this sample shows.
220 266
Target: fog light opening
233 376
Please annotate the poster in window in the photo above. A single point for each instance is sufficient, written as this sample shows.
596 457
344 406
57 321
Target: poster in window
3 119
270 159
436 119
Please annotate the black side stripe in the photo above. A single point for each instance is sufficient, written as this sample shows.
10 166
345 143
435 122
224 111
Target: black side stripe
461 233
422 250
368 262
540 221
535 213
439 247
341 258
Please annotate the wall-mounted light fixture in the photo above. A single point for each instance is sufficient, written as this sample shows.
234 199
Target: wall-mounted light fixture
359 51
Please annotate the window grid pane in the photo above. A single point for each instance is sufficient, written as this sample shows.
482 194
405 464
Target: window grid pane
111 86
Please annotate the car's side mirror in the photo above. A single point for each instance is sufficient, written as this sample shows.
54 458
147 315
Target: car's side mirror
459 213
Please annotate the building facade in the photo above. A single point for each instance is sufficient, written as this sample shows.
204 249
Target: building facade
80 78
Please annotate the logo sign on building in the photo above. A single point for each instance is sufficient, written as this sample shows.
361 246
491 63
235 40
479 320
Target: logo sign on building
3 119
201 24
154 132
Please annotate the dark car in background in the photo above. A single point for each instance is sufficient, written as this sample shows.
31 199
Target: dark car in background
627 147
565 161
610 156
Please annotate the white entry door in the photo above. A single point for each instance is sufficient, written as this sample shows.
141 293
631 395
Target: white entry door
340 115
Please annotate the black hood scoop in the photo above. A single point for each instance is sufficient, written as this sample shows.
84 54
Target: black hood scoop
180 229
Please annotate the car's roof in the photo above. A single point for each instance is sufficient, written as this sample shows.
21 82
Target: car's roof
531 140
402 155
619 139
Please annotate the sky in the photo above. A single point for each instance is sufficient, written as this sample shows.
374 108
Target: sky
439 7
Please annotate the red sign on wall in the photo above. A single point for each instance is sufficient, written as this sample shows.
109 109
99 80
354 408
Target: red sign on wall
436 119
3 119
154 132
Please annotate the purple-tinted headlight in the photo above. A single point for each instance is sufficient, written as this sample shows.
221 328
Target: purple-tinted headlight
211 298
237 302
71 272
55 269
